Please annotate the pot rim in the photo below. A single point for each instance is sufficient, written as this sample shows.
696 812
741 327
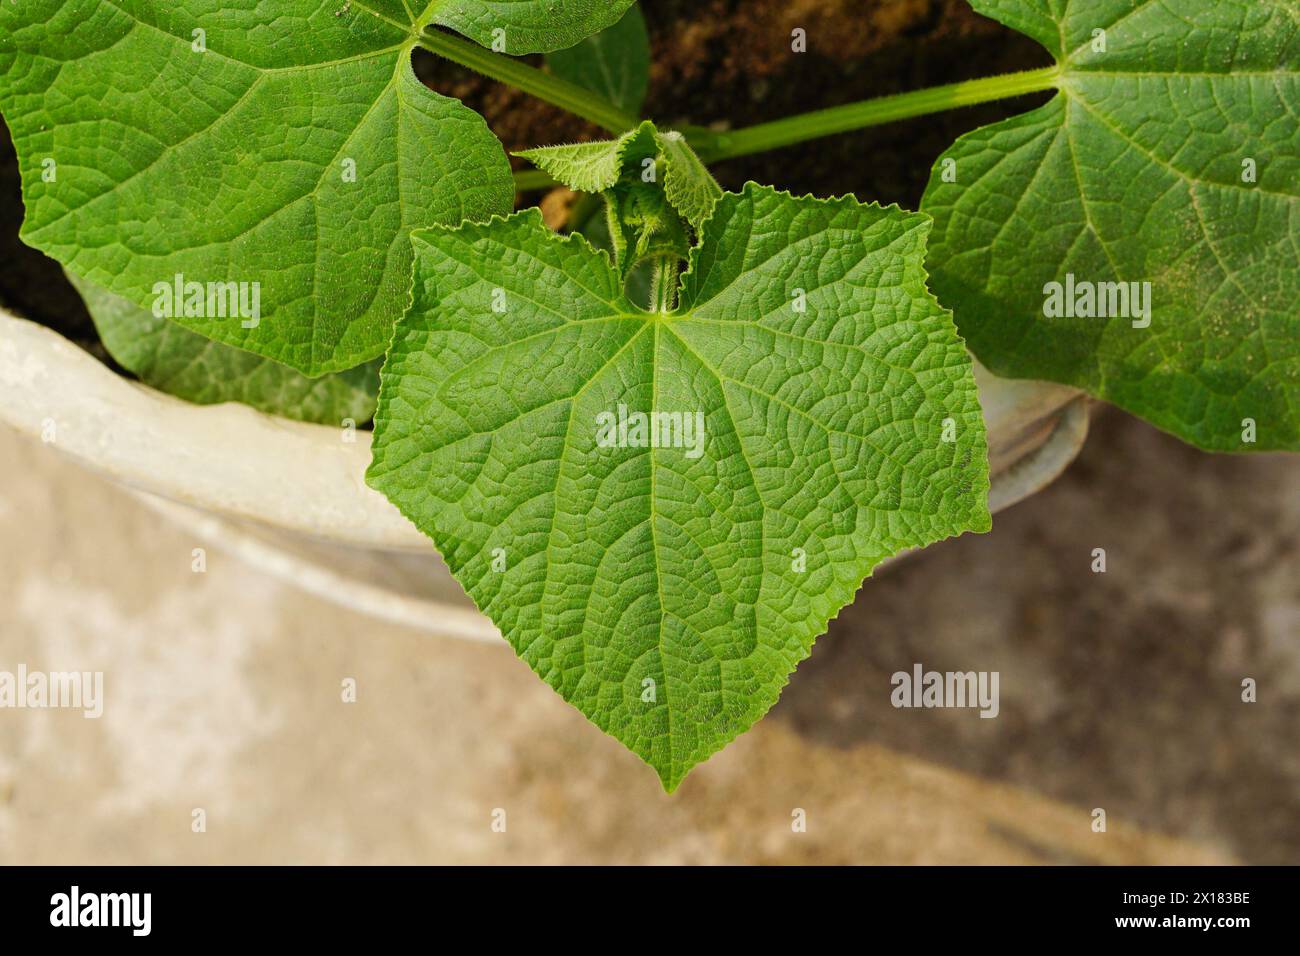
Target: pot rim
309 479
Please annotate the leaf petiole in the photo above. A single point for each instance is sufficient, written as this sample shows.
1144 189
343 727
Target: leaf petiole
567 96
874 112
663 283
713 146
529 179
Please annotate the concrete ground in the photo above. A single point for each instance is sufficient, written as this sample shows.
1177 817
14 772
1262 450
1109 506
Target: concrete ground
1119 691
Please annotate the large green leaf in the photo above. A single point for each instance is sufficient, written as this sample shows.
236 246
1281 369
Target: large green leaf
669 591
172 359
1140 170
288 144
614 63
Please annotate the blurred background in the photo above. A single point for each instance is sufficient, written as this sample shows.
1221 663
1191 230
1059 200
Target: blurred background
1119 691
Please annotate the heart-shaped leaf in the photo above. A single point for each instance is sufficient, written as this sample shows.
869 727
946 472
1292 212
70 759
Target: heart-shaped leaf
661 511
1137 235
286 147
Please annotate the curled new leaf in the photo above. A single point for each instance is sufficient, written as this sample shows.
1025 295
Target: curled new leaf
637 154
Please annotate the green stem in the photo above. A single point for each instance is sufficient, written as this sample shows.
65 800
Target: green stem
531 179
583 211
567 96
663 283
874 112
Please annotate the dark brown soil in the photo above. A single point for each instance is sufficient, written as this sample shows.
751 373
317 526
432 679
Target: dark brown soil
721 63
728 63
31 283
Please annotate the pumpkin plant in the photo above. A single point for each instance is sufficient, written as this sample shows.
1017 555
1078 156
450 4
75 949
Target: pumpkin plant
661 449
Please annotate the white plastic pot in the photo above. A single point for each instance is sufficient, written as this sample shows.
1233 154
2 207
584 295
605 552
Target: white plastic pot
291 497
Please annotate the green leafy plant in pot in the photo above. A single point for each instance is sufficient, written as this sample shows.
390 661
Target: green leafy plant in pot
663 449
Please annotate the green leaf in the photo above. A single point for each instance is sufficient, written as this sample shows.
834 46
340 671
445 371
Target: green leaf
595 167
598 167
661 590
528 26
287 144
690 186
1139 170
604 232
172 359
614 63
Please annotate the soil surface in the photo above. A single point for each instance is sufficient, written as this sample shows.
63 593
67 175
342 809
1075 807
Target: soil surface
728 64
720 63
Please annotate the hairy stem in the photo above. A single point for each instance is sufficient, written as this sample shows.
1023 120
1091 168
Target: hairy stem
567 96
873 112
663 283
